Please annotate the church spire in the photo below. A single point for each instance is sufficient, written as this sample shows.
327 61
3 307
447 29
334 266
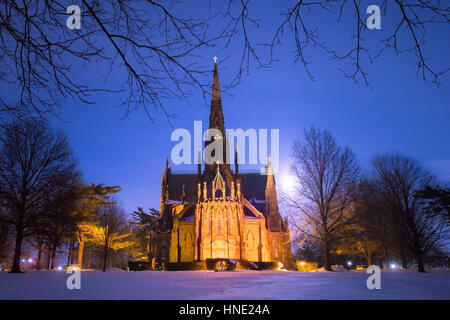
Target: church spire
163 192
272 212
216 119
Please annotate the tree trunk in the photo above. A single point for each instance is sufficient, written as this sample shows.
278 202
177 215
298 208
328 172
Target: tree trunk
72 252
149 253
369 257
17 251
38 262
105 253
48 258
72 256
326 258
385 260
403 257
69 256
89 258
80 254
420 264
52 266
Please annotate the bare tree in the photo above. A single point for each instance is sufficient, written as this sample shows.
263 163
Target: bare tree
32 157
326 175
414 20
159 48
155 46
436 200
398 179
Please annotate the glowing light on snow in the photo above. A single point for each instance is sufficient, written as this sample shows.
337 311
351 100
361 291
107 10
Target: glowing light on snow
393 266
349 263
59 268
30 260
23 260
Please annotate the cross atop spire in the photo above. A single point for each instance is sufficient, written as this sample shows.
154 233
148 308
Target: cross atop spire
215 59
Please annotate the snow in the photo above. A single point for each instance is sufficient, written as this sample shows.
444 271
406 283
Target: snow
225 285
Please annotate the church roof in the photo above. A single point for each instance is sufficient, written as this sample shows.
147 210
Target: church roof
253 186
176 181
188 213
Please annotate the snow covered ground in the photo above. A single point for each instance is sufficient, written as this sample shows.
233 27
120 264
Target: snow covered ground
225 285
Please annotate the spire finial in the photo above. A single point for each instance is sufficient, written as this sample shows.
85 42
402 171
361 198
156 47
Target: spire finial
269 166
183 194
215 59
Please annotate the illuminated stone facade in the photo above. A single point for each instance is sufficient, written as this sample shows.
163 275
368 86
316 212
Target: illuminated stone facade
218 213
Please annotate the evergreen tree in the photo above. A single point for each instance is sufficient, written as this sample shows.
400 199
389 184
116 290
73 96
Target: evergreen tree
145 226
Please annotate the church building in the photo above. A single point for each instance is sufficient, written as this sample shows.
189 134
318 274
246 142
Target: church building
218 213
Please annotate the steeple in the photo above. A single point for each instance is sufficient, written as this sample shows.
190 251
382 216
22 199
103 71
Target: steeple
272 213
165 186
216 121
163 191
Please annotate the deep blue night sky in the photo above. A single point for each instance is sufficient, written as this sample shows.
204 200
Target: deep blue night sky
402 112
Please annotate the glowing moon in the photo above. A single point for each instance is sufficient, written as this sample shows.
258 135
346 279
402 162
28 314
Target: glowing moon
288 182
